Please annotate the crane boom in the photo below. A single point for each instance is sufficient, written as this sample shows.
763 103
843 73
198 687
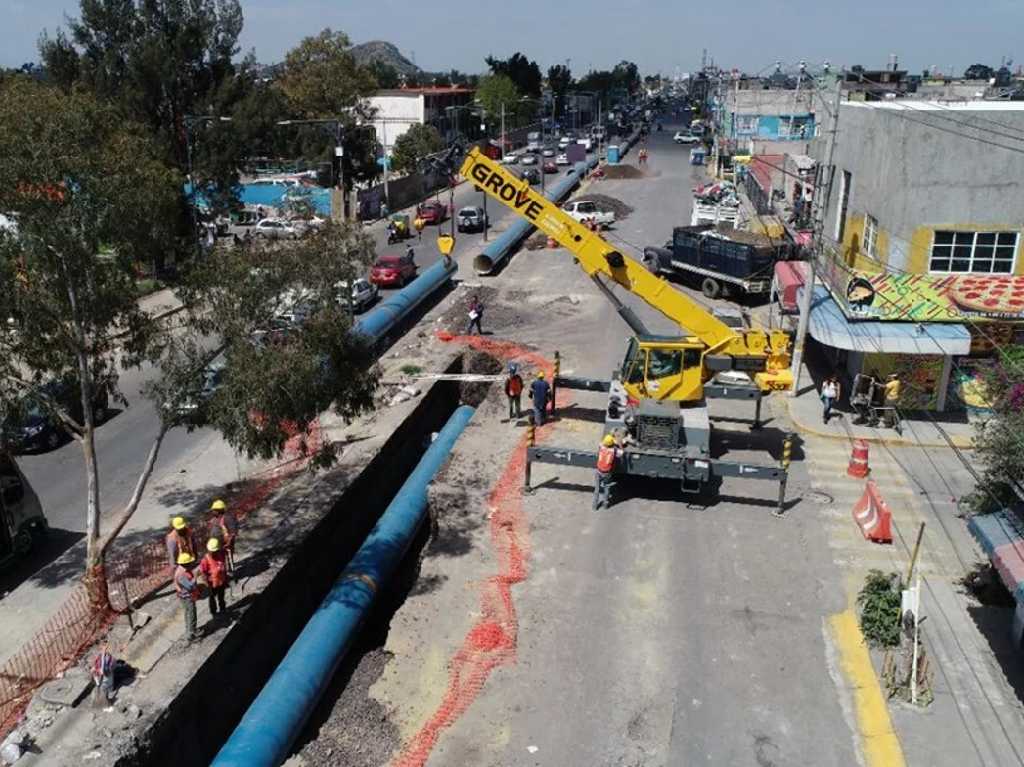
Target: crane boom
596 256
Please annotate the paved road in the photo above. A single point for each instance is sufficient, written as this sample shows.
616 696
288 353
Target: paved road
659 632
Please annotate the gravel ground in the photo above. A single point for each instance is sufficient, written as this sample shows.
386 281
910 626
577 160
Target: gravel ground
499 317
358 732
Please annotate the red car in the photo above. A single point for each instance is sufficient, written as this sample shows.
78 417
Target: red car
432 212
550 167
393 271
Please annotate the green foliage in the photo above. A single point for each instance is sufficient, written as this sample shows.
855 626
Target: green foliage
979 72
411 370
413 145
277 380
879 601
998 443
523 73
559 80
322 78
495 90
385 74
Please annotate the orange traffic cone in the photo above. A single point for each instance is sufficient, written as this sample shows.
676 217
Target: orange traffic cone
872 515
859 460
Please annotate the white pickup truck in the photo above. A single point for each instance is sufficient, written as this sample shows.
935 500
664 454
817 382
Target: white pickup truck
587 210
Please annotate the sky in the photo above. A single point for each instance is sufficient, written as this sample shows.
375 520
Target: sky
661 36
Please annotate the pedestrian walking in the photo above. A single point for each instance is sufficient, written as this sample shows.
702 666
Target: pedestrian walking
181 540
540 393
419 223
892 389
214 568
830 391
384 210
187 587
476 313
608 455
224 527
514 392
103 674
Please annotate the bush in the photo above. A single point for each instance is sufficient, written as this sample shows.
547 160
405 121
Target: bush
879 602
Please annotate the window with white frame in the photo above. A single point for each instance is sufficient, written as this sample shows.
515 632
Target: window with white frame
870 244
973 252
746 124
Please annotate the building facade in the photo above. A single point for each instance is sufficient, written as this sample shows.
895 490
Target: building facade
398 109
924 228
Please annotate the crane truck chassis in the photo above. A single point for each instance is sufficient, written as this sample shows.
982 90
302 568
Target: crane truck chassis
657 398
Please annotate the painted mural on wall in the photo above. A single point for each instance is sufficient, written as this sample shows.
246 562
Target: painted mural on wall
925 298
967 389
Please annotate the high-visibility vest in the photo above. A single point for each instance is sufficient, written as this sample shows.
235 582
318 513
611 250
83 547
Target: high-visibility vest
606 459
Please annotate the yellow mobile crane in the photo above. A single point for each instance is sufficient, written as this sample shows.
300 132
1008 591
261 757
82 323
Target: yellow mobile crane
658 394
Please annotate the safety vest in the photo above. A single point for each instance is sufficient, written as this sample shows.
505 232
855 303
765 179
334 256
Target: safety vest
215 569
606 459
185 584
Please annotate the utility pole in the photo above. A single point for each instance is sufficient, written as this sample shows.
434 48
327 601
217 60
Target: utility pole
821 206
503 150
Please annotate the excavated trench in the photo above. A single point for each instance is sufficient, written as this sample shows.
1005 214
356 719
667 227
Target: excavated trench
194 726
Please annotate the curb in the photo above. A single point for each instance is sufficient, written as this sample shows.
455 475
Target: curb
961 443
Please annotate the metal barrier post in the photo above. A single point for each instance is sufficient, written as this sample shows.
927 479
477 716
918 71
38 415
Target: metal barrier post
531 440
787 449
554 382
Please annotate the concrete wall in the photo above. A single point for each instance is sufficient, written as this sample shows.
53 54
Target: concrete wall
396 113
917 167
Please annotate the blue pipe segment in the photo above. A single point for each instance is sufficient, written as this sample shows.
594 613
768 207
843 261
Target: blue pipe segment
379 321
495 253
265 735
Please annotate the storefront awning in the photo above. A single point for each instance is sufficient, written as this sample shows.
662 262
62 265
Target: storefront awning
829 326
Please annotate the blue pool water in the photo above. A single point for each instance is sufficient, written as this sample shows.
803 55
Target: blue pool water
272 195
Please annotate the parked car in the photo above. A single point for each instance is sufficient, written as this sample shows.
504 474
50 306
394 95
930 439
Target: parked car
432 211
273 229
562 159
34 427
206 386
391 271
587 210
510 159
528 159
549 166
530 175
548 152
363 294
685 138
23 524
471 219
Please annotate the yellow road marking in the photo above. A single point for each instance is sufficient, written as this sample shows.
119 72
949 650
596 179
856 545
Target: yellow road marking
879 744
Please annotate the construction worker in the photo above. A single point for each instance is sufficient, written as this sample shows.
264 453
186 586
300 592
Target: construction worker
476 313
224 527
214 568
540 393
607 458
514 391
103 674
180 540
893 387
419 223
187 587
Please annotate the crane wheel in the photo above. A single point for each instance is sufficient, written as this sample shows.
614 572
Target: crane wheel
710 288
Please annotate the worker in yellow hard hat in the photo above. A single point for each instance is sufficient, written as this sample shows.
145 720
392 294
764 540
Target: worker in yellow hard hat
179 540
214 568
540 393
224 527
187 588
608 456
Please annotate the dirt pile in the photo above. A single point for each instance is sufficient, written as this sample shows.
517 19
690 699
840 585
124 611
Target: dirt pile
473 393
498 318
623 172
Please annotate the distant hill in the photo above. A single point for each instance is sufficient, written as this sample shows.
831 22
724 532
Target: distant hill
386 53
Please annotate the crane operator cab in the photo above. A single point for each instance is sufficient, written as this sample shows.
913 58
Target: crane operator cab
663 368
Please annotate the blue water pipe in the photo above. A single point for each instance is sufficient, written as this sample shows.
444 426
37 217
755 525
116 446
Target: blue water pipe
265 735
495 253
378 322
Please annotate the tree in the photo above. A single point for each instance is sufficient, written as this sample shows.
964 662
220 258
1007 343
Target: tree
525 74
495 91
322 78
979 72
385 74
75 176
998 443
413 145
78 176
627 76
559 80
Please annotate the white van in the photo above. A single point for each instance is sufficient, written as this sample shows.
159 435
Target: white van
533 141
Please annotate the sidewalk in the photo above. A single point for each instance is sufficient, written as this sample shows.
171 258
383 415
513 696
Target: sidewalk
918 429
